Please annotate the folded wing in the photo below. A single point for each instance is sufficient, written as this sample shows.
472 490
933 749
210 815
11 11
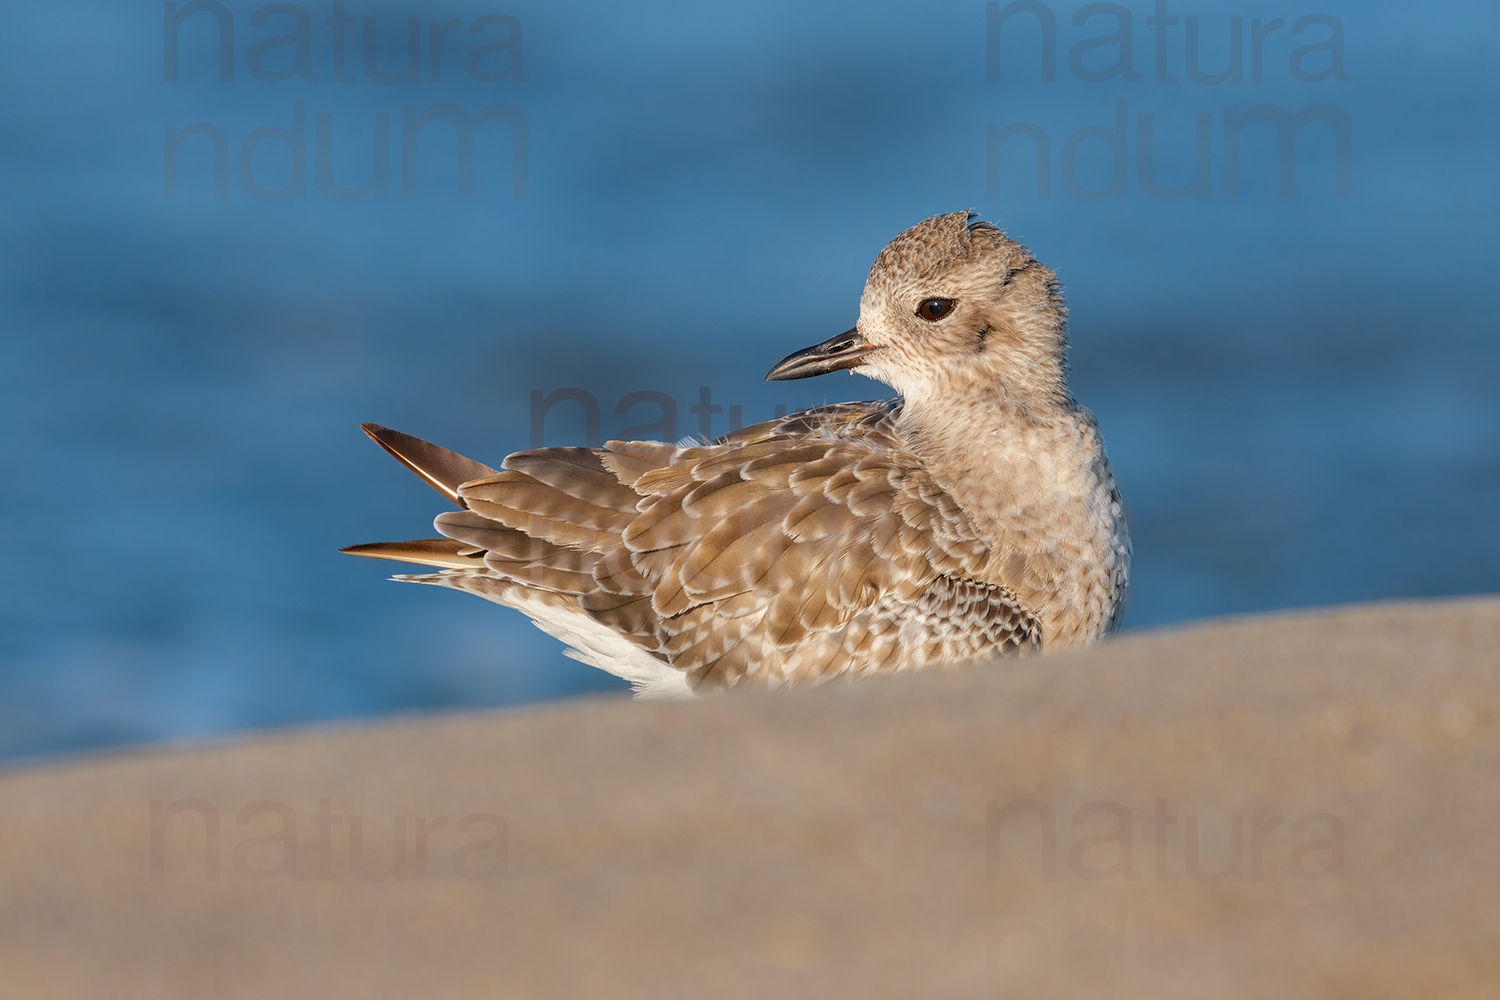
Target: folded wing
790 551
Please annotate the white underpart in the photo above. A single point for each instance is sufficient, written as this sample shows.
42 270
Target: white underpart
598 645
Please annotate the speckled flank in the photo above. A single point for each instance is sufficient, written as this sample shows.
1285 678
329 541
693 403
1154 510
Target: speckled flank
976 514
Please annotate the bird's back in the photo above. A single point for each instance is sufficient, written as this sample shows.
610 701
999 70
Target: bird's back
795 550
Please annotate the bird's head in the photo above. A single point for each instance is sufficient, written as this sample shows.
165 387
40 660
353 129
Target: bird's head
952 306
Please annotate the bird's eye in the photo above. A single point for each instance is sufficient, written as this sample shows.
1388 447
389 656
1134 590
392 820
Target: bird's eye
935 309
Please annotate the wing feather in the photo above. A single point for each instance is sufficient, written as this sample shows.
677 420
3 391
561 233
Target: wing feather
439 468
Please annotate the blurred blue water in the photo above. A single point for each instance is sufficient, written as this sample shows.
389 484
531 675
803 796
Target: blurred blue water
1299 393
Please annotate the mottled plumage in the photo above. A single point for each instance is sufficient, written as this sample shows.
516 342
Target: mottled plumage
975 516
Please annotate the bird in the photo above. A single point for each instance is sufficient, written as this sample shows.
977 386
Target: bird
973 516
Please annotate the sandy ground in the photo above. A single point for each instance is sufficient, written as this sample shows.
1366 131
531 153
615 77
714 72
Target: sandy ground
1304 805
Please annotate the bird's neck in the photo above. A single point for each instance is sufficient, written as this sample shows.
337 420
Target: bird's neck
1030 479
990 451
974 431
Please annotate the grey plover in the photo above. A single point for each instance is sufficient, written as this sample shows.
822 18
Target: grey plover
973 516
